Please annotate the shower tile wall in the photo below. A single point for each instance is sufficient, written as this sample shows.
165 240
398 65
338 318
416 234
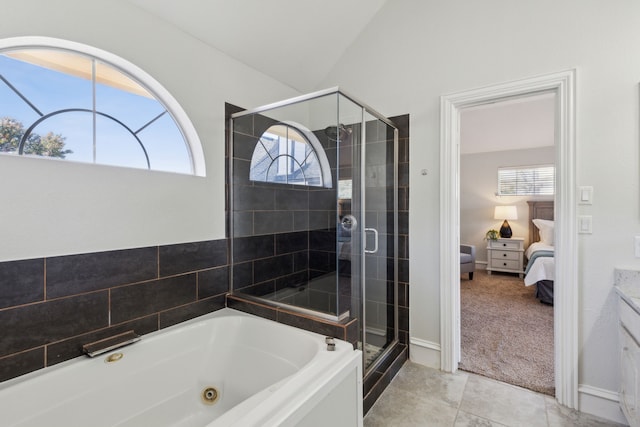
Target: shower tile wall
402 123
377 380
321 215
275 225
50 307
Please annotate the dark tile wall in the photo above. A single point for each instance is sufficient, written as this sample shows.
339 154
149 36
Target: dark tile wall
50 307
260 252
402 123
376 380
276 224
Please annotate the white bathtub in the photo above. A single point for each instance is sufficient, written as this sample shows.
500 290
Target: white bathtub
266 374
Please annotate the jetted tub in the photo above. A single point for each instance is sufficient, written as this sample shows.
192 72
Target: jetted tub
227 368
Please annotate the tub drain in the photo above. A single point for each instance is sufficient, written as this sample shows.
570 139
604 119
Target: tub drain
209 395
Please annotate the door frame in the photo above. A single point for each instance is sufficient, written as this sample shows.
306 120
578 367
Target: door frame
566 294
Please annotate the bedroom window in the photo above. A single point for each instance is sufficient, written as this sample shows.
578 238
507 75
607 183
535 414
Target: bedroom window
69 101
527 181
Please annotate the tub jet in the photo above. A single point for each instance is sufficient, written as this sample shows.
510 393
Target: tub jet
210 395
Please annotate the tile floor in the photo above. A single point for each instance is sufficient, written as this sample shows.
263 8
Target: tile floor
421 396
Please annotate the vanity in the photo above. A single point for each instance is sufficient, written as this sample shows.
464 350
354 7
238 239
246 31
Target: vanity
628 289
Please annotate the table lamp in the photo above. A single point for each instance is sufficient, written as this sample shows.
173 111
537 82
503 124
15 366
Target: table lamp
505 213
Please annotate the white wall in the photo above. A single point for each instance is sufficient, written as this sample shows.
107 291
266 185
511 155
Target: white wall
415 51
56 208
478 186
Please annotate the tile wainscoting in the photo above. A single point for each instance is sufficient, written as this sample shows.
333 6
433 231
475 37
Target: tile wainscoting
50 307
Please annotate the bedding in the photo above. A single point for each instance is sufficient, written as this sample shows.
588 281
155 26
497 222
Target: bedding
545 229
540 269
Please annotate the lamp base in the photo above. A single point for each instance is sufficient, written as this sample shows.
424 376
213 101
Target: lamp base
505 230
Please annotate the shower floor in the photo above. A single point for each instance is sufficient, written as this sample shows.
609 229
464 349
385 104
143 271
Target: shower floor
376 343
318 294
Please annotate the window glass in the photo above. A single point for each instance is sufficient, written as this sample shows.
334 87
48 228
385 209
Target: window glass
74 129
116 146
163 157
526 181
345 189
74 106
285 155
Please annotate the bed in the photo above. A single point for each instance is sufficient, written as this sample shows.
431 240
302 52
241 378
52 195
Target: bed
540 270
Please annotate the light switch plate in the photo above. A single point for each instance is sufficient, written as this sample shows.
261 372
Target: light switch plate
636 246
585 195
585 224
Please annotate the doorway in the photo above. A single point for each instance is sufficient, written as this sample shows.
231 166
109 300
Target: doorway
507 158
562 84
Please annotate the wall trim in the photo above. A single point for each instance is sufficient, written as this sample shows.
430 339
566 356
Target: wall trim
601 403
424 352
567 297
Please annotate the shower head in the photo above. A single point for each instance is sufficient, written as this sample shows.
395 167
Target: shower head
336 133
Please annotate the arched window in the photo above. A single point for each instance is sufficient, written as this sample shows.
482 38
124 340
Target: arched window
288 153
70 101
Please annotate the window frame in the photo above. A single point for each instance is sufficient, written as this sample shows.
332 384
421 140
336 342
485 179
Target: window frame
184 124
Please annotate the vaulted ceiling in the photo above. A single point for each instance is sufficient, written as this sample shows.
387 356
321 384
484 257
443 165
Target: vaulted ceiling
294 41
298 42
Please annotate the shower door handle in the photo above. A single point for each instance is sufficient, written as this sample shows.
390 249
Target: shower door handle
375 241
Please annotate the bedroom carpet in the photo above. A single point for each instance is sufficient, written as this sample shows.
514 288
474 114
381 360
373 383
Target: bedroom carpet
506 333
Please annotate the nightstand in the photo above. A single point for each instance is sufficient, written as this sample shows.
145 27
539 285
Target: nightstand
506 255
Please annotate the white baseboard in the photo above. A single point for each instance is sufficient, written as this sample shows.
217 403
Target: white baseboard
424 352
601 403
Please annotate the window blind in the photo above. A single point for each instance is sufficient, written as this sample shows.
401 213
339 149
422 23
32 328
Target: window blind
527 181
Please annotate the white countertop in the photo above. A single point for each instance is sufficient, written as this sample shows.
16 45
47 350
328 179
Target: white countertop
627 284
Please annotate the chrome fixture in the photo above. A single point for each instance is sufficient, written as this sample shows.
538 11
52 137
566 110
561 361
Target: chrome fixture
99 347
331 344
113 357
338 133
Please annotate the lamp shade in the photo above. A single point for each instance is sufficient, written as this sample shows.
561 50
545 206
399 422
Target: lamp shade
505 212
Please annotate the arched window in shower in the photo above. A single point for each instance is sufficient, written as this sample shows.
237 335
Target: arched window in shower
289 153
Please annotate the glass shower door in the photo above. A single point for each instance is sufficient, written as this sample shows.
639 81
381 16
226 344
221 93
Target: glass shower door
379 171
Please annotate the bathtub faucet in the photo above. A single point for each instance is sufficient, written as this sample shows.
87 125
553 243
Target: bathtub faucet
99 347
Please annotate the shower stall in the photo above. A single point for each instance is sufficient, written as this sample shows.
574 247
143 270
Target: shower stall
313 212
